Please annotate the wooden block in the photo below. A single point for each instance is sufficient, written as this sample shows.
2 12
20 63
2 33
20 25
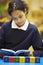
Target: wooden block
37 59
11 59
16 58
32 59
22 59
27 59
6 59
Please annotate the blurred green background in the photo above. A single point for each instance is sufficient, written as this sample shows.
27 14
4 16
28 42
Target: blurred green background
2 6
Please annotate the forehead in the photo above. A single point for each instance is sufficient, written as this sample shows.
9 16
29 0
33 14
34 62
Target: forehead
18 12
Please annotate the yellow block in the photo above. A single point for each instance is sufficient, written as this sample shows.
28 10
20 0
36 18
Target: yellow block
32 59
22 59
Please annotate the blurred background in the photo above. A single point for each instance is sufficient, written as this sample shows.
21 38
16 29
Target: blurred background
35 14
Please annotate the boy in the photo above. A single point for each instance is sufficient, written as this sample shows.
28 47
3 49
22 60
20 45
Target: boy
19 34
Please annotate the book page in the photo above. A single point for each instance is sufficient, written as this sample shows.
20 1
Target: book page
8 50
22 51
18 51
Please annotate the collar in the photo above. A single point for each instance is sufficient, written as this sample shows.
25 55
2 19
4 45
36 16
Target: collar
24 27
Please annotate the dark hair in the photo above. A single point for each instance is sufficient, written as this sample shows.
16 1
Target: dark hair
17 5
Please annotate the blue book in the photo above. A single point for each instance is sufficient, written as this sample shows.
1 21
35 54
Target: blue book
9 52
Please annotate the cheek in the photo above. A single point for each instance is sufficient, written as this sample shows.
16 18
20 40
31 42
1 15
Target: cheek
23 18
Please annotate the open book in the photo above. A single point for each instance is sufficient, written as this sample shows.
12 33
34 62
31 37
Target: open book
9 52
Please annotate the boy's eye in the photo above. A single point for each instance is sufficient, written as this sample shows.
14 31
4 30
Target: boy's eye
20 16
15 18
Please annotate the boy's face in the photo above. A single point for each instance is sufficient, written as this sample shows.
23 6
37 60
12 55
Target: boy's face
19 17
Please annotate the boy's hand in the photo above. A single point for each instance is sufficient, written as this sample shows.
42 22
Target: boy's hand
31 54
